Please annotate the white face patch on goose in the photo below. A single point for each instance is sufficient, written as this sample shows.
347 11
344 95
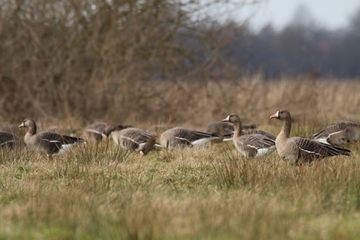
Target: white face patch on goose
227 119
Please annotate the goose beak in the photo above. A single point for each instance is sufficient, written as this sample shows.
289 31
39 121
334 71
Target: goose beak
226 119
21 125
274 115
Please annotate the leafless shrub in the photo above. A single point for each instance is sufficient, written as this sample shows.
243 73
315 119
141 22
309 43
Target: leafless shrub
98 59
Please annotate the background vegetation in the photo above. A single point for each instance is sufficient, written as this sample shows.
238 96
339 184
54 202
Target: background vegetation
118 60
148 63
96 59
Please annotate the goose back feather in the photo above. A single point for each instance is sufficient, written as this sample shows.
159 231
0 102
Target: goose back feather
339 133
131 138
182 137
95 132
10 140
222 129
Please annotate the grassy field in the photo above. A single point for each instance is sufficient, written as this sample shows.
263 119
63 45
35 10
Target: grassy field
207 193
102 192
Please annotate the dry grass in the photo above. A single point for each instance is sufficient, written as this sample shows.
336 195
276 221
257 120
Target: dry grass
101 192
209 192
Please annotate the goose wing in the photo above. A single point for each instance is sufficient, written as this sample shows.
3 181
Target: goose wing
190 137
221 129
258 131
48 142
134 138
71 140
255 145
8 139
334 128
309 150
136 135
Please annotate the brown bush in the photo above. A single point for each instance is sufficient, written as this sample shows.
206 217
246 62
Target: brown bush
94 59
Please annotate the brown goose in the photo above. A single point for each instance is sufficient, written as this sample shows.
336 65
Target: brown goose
258 131
10 140
47 142
298 150
94 133
223 130
180 137
9 128
226 131
132 139
339 133
250 145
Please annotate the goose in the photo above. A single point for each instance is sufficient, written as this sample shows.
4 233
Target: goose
9 128
226 131
10 140
258 131
223 130
48 142
131 138
180 137
339 133
298 150
95 132
250 145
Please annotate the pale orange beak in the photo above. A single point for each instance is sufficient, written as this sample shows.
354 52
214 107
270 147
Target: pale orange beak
274 116
226 119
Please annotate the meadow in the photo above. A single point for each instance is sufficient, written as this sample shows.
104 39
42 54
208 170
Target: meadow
103 192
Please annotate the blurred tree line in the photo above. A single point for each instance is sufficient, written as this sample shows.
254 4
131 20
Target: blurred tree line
301 48
79 58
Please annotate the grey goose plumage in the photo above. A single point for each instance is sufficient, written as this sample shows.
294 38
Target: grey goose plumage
298 150
48 142
339 133
94 133
10 140
250 145
131 138
223 130
258 131
179 137
9 128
